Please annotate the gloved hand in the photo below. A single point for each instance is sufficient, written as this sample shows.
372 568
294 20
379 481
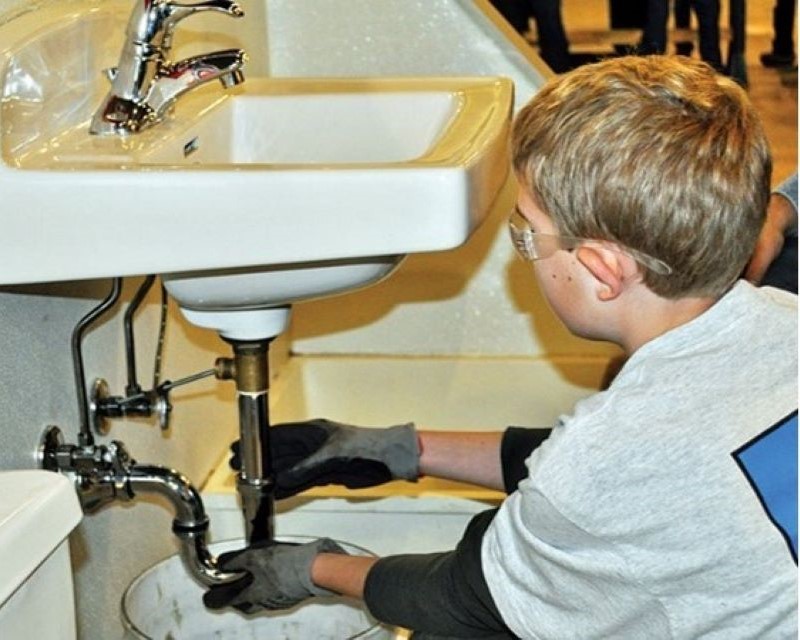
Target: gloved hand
320 452
278 576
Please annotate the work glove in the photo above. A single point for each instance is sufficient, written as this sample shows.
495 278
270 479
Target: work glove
321 452
277 576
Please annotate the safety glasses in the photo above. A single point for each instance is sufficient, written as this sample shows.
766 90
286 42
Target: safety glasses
533 246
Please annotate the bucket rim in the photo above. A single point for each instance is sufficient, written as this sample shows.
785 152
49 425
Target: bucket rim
131 627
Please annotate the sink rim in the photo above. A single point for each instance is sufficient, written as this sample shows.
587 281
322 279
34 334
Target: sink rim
473 94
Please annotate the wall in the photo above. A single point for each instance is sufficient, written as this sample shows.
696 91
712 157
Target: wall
37 389
474 301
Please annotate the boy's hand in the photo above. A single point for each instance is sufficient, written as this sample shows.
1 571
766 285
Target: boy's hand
277 576
320 452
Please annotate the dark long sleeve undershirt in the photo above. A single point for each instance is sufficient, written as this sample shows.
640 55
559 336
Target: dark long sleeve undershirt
446 593
439 593
516 446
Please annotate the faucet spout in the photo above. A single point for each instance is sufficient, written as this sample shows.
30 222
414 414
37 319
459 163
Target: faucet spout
181 77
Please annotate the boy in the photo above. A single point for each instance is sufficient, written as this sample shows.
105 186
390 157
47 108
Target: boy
661 508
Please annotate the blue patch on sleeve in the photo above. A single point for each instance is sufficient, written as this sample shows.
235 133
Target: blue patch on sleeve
770 464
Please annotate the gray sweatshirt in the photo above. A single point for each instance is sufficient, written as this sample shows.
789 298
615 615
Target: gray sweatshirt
659 508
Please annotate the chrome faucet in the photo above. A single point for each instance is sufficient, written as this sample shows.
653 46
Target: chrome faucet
145 84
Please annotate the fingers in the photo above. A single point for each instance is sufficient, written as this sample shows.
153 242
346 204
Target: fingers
353 473
289 443
238 560
294 441
277 576
247 607
235 462
242 559
225 595
315 461
320 452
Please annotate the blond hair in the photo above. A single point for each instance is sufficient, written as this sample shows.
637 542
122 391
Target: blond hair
657 153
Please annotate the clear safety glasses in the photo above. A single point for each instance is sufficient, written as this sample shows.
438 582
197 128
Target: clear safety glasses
538 246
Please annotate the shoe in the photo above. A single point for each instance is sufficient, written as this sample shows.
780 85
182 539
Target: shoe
776 61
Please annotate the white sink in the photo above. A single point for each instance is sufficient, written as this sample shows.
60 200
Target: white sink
278 190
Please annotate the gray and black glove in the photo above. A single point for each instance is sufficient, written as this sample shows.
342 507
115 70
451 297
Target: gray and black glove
321 452
277 576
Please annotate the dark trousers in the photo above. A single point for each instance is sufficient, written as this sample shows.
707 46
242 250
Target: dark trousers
707 12
553 43
783 24
628 14
654 34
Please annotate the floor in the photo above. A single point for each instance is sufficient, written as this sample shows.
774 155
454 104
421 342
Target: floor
774 93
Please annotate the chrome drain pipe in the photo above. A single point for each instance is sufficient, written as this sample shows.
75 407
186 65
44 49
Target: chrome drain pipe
249 369
191 522
106 473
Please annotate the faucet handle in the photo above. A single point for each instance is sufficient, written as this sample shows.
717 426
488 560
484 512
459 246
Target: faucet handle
152 22
174 12
177 11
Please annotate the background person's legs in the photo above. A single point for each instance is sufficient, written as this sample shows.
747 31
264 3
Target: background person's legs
782 54
654 35
708 12
553 43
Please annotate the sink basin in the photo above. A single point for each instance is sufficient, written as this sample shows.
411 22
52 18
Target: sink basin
317 122
278 190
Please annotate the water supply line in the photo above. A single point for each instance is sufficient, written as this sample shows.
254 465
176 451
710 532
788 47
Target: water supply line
133 387
85 436
137 402
106 473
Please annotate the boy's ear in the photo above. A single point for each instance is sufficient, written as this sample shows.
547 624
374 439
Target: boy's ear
607 267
